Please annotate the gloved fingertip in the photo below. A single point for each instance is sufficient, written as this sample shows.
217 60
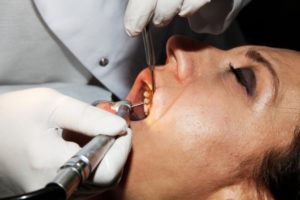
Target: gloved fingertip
186 11
183 13
191 7
114 160
129 136
156 22
132 33
118 125
135 25
160 22
133 29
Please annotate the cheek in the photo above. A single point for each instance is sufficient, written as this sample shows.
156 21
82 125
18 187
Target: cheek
204 126
197 127
194 129
195 135
199 114
162 101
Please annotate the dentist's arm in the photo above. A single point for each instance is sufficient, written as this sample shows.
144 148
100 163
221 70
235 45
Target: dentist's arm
31 144
205 16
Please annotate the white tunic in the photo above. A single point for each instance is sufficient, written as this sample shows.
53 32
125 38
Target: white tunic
63 41
29 53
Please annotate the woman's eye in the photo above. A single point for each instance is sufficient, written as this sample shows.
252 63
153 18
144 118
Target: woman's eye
246 77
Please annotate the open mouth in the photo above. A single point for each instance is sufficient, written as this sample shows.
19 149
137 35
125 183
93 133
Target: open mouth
144 96
141 93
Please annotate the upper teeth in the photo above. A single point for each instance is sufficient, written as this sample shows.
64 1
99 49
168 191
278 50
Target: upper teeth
147 99
146 94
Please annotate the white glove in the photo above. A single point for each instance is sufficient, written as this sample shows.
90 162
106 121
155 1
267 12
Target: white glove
139 13
31 144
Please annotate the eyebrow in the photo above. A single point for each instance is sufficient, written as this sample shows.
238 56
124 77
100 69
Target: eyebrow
258 58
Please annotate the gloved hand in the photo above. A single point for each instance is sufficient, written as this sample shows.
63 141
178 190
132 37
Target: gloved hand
31 144
139 13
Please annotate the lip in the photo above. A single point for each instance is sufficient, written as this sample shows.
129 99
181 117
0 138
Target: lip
136 94
143 77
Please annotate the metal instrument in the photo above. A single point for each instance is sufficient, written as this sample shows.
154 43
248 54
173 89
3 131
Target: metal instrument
77 169
150 53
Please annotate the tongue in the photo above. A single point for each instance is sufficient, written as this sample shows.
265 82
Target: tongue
137 114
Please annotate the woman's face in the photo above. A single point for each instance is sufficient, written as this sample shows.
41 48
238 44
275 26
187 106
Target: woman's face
213 116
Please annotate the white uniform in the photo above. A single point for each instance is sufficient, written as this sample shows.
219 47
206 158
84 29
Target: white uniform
62 42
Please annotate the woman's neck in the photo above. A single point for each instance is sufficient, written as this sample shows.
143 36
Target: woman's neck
241 191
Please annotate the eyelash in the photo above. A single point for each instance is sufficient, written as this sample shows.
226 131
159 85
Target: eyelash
245 77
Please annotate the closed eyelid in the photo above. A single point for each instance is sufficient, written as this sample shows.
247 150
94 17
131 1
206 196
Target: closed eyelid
246 77
257 57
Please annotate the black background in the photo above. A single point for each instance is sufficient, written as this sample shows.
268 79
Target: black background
272 23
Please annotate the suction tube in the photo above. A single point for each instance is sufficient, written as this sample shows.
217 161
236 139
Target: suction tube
47 193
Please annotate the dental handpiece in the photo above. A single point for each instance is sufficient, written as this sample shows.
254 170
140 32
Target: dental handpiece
78 169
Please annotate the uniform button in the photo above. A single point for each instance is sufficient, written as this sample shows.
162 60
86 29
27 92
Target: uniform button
103 62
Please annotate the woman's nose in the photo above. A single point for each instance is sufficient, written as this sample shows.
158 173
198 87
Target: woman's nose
191 56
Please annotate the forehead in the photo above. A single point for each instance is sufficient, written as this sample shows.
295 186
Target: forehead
287 65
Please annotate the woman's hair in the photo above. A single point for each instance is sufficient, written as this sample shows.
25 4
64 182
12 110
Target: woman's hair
280 171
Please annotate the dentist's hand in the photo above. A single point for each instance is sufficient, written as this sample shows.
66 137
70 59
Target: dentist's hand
31 144
139 13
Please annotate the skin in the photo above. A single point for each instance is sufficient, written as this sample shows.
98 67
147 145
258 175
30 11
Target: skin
205 135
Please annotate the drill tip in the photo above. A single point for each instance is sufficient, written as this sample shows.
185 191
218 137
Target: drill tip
137 104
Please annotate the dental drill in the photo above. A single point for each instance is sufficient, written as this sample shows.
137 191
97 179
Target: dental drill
82 164
79 168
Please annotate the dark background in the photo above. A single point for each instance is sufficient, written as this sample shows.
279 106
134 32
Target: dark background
272 22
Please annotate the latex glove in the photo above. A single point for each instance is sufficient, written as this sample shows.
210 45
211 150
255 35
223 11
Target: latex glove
139 13
31 144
